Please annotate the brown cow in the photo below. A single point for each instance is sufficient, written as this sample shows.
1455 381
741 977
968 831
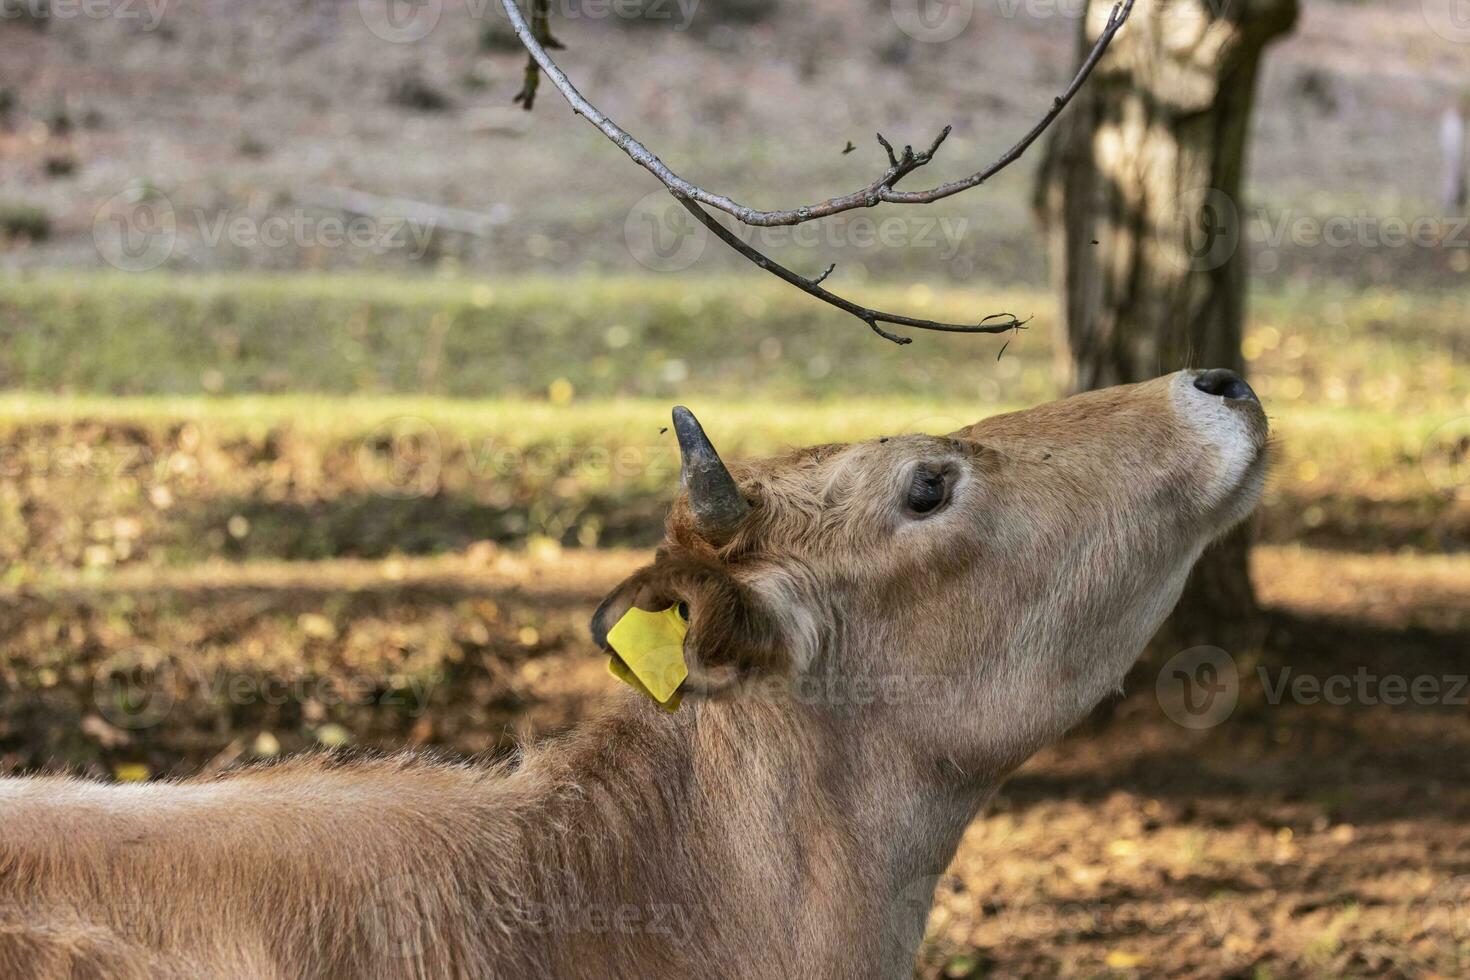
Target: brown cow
879 632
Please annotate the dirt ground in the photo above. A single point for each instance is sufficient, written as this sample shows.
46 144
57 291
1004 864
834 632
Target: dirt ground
1292 837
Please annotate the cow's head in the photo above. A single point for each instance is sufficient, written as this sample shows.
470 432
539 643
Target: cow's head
977 592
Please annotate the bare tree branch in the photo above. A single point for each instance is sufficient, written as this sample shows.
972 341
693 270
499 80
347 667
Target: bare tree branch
879 191
995 323
900 165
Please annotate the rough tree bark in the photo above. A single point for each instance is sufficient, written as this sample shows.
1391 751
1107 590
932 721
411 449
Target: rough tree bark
1138 195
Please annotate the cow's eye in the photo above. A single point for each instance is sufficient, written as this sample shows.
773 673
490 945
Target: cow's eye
928 490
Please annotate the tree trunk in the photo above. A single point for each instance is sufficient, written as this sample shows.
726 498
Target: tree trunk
1139 196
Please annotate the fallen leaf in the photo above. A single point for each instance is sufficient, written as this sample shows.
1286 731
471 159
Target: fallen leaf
1119 960
317 626
266 744
333 735
131 772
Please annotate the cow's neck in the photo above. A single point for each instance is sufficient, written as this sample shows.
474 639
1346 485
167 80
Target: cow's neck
747 818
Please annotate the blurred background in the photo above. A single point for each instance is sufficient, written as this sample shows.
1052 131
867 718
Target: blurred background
334 388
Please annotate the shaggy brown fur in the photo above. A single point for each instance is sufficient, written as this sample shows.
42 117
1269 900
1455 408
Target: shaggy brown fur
863 675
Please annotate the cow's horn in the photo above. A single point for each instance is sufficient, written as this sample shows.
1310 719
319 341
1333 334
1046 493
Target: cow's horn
713 496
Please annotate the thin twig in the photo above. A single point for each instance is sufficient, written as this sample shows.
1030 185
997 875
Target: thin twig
541 31
995 323
879 191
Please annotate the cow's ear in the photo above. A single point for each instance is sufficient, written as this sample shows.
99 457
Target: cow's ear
732 636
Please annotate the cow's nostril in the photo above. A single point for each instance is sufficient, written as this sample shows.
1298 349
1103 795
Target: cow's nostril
1225 383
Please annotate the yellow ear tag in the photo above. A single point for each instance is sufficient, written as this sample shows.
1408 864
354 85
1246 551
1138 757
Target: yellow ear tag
649 653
